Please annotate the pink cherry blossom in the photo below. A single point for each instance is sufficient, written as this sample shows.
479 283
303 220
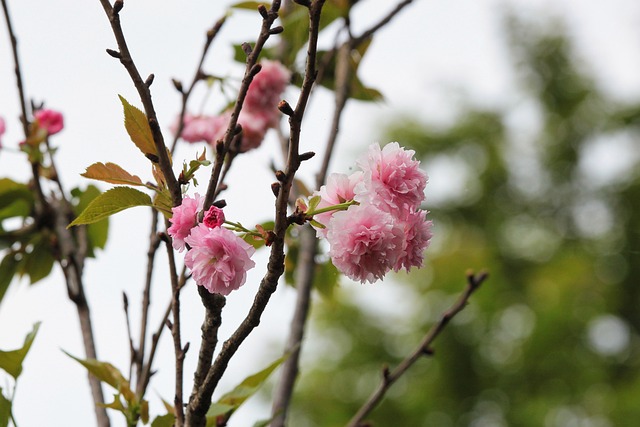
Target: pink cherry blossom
393 180
214 217
417 236
338 189
218 259
49 120
201 128
266 89
184 218
365 242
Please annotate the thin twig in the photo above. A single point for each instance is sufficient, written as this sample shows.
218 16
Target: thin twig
199 75
384 21
24 119
389 377
113 13
132 348
154 243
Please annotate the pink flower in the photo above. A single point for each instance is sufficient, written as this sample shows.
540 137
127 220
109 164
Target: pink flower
49 120
3 128
200 128
266 89
214 217
184 218
393 180
417 235
218 259
254 128
339 189
366 242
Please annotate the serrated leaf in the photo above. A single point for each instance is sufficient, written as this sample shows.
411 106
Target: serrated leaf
116 404
11 361
137 125
247 388
98 232
111 173
111 202
109 374
163 203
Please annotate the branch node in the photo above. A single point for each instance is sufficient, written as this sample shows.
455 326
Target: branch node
285 108
428 351
149 80
255 70
114 53
117 6
275 188
306 156
246 48
263 11
276 30
281 176
185 349
220 203
305 3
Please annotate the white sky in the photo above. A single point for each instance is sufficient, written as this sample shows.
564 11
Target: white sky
434 52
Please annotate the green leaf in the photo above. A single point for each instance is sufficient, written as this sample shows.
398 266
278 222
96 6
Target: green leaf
167 420
326 279
111 173
39 262
11 361
5 410
8 269
252 5
15 199
109 374
98 232
110 202
236 397
137 125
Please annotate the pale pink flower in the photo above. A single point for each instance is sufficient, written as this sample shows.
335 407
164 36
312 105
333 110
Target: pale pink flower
214 217
266 89
393 180
49 120
254 128
218 259
417 235
184 218
365 242
338 189
200 128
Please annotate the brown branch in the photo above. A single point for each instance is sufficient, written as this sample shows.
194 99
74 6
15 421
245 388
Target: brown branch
180 352
113 13
201 400
251 69
389 377
384 21
154 243
199 75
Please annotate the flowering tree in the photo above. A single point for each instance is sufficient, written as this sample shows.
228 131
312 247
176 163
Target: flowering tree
373 219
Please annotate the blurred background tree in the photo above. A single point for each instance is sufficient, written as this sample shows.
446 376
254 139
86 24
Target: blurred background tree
549 203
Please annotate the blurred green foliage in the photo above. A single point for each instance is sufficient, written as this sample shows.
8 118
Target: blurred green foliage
552 210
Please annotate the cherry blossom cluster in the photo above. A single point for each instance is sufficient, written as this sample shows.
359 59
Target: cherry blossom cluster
217 257
259 113
384 228
3 128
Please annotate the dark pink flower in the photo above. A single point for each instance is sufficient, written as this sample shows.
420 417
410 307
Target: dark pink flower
338 189
417 236
393 180
184 218
218 259
214 217
3 128
365 242
49 120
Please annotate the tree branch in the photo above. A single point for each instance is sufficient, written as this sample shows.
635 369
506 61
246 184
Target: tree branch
113 13
473 283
